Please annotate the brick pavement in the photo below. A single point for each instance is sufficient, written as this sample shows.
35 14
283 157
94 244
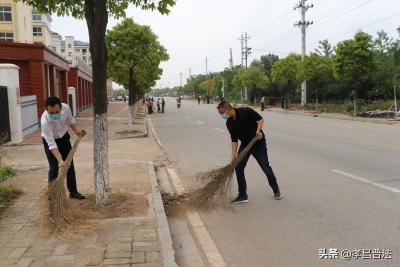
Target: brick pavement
130 241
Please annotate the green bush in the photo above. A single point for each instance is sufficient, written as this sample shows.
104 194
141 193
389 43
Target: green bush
5 173
7 192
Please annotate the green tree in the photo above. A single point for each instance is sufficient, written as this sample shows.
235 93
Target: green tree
284 72
325 49
354 63
254 79
96 13
134 56
193 84
316 69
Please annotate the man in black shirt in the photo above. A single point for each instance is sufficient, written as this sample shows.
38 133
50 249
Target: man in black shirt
244 124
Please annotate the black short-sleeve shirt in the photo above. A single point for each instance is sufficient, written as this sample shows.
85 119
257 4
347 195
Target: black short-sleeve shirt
245 125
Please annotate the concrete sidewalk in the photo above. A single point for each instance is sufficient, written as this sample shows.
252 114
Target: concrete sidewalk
139 236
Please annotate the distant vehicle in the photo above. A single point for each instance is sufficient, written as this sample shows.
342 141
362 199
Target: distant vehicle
119 98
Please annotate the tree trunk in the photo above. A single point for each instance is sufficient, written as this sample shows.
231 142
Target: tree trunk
130 117
316 100
97 18
132 96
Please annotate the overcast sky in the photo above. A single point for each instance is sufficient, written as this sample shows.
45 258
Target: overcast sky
195 29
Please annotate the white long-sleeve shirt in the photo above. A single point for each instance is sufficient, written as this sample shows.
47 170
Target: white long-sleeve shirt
52 130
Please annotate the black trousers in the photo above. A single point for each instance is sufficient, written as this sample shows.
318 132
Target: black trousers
64 146
262 106
259 152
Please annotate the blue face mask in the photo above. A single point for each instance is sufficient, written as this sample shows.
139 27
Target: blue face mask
225 116
55 117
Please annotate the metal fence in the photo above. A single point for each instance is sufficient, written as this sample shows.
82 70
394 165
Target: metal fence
30 121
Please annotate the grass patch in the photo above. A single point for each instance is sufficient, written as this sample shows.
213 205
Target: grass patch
7 193
6 172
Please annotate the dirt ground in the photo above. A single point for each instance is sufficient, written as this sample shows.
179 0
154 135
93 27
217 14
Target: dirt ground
123 205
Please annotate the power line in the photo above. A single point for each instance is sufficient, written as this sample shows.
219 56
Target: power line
358 28
344 13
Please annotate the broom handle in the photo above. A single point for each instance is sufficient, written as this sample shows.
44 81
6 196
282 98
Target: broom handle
68 161
244 152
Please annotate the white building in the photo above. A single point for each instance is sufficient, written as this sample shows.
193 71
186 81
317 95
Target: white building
15 22
41 28
72 49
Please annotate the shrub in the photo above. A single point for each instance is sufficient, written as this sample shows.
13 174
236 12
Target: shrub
6 172
7 192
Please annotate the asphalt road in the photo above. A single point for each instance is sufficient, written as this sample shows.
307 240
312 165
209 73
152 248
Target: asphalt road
340 179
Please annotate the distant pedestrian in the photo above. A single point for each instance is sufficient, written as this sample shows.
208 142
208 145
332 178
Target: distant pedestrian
204 99
243 125
158 105
151 105
124 98
162 105
262 103
198 100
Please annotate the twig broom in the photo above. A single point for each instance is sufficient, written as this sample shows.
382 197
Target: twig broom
55 197
217 182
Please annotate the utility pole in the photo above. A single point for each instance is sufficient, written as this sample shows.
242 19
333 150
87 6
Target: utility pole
395 104
303 25
247 50
206 68
223 88
180 75
190 73
241 49
230 58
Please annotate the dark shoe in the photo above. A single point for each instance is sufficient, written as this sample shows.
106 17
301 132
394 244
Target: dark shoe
76 195
240 199
278 195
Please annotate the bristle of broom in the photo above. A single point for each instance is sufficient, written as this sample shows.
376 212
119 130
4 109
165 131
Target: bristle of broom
54 209
215 185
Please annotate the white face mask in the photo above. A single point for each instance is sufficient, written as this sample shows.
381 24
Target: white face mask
225 116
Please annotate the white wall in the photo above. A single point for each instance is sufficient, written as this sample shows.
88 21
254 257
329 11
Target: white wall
9 77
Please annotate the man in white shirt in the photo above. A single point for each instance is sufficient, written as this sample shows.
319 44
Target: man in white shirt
56 140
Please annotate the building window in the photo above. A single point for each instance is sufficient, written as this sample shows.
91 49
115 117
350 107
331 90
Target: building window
5 13
84 58
77 50
62 50
69 45
37 31
84 51
70 54
36 16
6 37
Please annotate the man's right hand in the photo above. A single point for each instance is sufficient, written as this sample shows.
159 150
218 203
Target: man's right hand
61 163
233 158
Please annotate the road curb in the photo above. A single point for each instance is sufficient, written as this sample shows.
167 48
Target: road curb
199 230
331 116
167 250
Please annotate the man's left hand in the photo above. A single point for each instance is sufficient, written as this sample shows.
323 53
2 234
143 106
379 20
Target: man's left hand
82 132
259 135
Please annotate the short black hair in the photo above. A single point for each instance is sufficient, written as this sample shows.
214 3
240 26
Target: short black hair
224 104
52 101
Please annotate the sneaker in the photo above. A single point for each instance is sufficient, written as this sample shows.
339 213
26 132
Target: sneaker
240 199
76 195
278 195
